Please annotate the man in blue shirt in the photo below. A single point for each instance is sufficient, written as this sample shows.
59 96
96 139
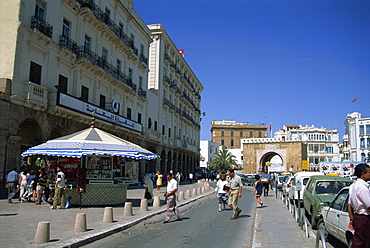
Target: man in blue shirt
12 180
265 179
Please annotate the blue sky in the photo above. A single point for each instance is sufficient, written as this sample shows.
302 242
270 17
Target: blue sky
285 62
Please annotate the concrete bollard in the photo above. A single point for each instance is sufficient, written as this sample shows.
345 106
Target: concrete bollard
80 223
203 190
42 233
127 211
188 193
194 192
181 196
108 215
156 201
144 205
199 192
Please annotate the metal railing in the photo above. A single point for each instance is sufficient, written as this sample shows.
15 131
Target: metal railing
41 25
320 237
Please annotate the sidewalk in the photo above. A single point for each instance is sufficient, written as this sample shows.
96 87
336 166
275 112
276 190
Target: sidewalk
18 221
275 227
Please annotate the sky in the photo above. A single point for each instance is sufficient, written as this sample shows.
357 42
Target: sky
285 62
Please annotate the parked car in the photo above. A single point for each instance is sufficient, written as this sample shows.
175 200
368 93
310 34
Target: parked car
287 185
280 181
320 191
243 178
334 218
302 176
250 179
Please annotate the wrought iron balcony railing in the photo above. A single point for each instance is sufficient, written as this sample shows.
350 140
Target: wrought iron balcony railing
141 92
41 25
65 41
143 59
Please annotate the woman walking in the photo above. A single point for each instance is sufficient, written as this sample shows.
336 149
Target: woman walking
159 177
221 193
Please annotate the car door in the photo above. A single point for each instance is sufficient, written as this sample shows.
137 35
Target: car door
334 213
343 220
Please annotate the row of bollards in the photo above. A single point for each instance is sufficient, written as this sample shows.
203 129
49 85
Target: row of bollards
43 228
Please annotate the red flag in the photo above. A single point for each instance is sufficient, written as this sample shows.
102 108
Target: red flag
270 126
355 100
182 51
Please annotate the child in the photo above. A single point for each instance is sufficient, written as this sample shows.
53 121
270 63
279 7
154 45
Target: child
258 190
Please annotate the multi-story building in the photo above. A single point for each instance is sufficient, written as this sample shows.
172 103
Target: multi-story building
229 133
175 93
207 150
356 139
58 68
322 144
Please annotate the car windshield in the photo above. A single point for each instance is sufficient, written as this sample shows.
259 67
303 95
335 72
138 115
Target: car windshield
330 187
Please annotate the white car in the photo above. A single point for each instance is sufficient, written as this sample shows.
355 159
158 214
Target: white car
286 186
334 218
302 176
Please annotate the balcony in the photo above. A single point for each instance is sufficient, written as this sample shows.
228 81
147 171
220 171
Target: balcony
30 95
141 92
42 26
71 45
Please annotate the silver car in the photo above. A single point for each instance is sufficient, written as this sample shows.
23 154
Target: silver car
334 219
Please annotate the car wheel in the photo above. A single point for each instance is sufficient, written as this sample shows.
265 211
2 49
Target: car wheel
313 221
321 226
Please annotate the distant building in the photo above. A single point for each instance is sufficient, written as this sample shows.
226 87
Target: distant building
322 144
229 133
207 150
356 139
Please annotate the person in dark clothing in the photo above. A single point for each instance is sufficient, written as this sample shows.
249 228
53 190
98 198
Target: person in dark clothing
258 190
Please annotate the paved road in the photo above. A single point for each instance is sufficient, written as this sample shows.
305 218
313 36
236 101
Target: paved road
202 226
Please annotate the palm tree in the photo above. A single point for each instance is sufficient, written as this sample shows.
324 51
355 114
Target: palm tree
222 161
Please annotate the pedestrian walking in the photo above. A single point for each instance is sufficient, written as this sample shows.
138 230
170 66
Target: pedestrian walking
159 180
258 186
191 176
171 199
23 176
359 207
60 193
266 179
221 193
11 183
40 186
236 188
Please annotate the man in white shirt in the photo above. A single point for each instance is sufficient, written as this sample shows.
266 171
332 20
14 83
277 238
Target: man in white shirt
171 199
60 193
359 207
236 188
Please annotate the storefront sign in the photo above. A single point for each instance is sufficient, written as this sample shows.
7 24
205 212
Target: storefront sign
86 108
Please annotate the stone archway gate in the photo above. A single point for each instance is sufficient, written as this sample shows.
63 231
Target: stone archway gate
258 151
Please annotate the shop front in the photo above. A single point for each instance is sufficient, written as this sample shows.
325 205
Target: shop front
98 166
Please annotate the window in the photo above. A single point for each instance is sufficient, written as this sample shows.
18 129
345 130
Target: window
222 133
362 143
35 73
104 54
362 129
259 134
169 132
120 28
155 125
107 12
368 142
250 134
65 28
232 142
149 123
368 129
329 137
62 84
329 149
141 49
232 133
222 142
140 82
40 9
241 133
139 118
129 113
87 42
163 130
102 102
130 72
84 94
315 149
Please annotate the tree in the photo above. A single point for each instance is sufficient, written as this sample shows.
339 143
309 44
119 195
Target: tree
222 161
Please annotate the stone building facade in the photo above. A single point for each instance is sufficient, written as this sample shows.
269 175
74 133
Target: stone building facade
59 68
230 133
258 152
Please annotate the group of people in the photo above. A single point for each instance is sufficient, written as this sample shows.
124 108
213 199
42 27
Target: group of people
33 186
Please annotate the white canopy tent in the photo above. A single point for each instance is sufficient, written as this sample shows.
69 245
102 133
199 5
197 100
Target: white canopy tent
91 141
